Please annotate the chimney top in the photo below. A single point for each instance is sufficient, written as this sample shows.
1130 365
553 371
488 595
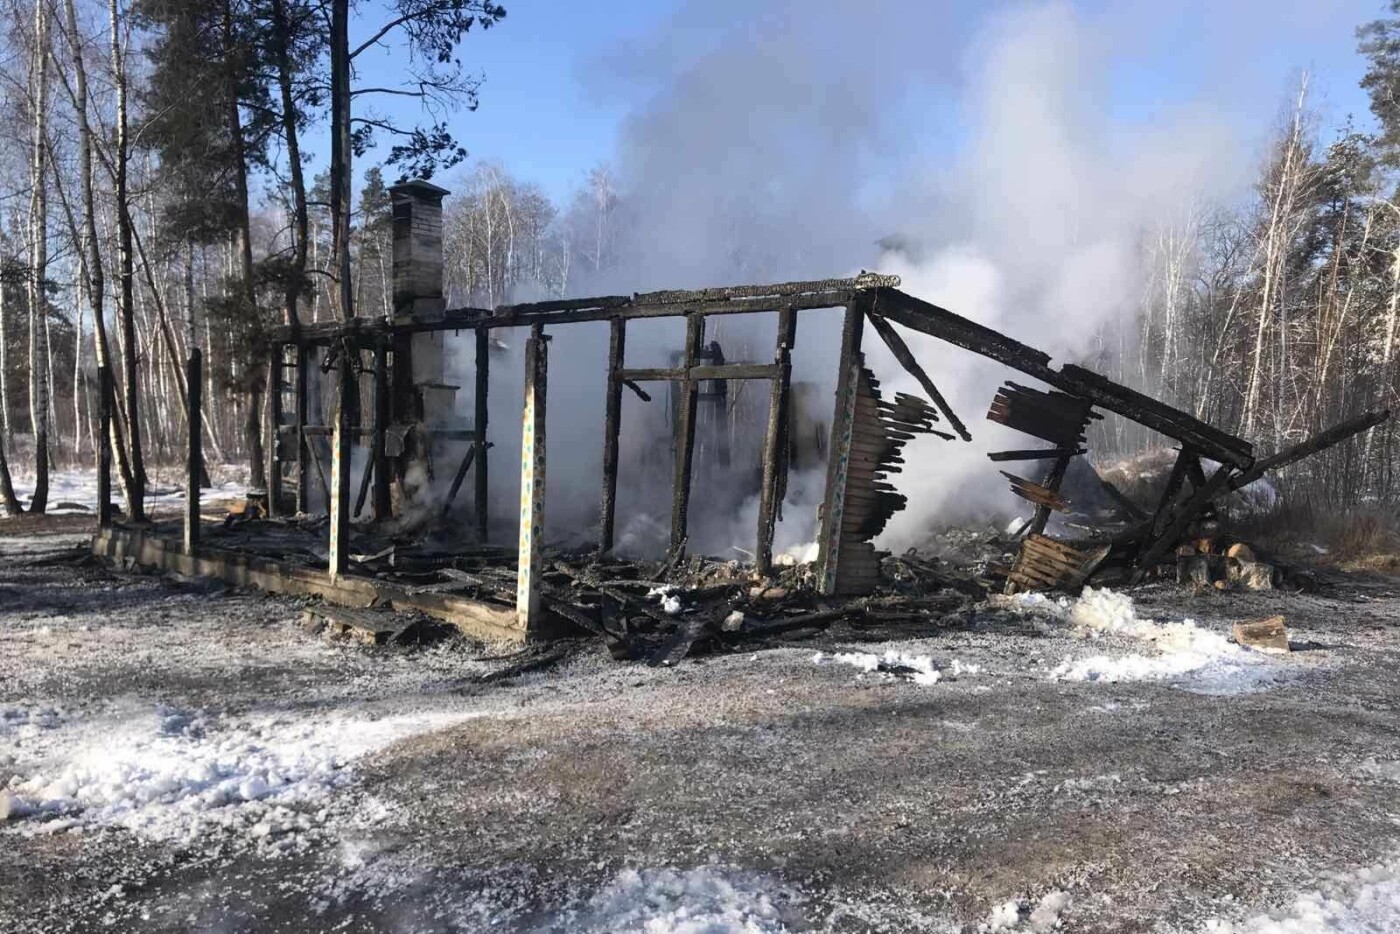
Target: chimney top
419 188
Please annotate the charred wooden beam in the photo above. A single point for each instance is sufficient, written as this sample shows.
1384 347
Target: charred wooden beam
1039 454
839 450
1314 445
685 450
482 479
824 293
1158 546
1181 470
927 318
382 502
775 441
194 453
458 478
532 482
638 390
1210 441
906 359
1044 495
702 371
612 428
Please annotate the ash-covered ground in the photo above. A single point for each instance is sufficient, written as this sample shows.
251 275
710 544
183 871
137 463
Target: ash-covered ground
176 756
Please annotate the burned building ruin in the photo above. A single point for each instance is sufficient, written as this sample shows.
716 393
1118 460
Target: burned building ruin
389 396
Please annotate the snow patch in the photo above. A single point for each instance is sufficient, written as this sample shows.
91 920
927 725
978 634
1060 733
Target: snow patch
178 775
697 901
921 669
1019 915
1186 654
1367 899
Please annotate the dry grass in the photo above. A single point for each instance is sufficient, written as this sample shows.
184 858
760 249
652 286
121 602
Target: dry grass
1358 538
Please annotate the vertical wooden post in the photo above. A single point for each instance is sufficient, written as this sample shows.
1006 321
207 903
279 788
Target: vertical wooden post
381 502
483 385
1052 480
273 434
532 477
341 436
839 450
194 453
104 447
685 426
612 428
775 440
303 360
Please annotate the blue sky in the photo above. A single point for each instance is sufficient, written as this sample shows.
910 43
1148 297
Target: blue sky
561 77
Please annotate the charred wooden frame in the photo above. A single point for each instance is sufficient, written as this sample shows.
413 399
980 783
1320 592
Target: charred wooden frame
1073 396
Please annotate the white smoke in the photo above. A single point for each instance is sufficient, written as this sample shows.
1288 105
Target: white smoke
777 140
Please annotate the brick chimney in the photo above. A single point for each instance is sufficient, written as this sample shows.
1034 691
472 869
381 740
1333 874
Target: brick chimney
418 288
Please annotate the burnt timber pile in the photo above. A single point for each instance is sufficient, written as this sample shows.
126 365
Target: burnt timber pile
387 375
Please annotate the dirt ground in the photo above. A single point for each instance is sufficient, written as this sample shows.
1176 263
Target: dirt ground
183 757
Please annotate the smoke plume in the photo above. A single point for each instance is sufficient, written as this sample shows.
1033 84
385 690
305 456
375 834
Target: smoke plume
976 156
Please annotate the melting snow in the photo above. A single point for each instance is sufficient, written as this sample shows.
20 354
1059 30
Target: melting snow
698 901
918 668
1365 900
1018 915
175 775
1186 654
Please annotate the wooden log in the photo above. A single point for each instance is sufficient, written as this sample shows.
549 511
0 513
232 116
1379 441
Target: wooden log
532 483
685 447
775 441
340 471
1266 635
906 359
483 384
194 453
612 429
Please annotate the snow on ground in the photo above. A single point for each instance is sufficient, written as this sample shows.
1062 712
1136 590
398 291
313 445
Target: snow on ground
1365 901
921 669
696 901
1020 915
1184 654
177 775
78 488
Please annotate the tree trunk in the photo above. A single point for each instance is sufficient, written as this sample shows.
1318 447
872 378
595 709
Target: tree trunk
126 312
89 243
341 153
39 260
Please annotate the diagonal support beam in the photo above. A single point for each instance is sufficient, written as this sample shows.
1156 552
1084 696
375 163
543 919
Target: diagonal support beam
906 359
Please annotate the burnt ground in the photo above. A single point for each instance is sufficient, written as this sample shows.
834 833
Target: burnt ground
430 789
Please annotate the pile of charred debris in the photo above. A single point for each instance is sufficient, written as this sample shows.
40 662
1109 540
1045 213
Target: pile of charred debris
661 611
